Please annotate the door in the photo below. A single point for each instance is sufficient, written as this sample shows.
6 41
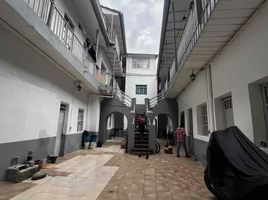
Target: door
190 131
59 144
265 104
228 112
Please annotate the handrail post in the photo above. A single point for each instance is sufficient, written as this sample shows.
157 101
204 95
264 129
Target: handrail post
51 13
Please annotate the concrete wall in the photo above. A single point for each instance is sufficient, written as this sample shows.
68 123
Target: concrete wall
151 70
132 81
32 89
145 76
243 62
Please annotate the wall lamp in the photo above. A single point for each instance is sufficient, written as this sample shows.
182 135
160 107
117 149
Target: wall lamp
192 76
79 87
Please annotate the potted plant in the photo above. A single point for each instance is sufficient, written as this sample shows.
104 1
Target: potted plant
29 156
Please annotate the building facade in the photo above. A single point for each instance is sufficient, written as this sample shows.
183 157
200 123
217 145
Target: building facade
219 74
55 67
141 79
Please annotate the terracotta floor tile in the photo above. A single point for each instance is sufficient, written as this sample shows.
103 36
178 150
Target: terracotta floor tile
108 173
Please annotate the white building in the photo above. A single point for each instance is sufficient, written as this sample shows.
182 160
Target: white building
55 60
141 79
223 43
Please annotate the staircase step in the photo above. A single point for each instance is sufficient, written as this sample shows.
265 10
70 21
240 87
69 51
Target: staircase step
141 146
144 132
140 151
141 142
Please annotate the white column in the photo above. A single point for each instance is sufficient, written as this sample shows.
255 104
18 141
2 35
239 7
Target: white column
210 103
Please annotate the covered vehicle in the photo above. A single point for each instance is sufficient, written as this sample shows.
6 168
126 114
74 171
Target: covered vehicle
236 168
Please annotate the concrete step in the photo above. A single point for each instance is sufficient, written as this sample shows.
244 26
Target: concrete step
142 151
141 142
141 146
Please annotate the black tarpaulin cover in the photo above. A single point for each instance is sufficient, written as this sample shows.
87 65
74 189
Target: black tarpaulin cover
236 168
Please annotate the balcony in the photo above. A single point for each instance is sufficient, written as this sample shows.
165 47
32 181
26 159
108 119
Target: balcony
54 35
209 27
114 54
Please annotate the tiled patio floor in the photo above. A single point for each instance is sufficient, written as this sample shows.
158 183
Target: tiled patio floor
108 173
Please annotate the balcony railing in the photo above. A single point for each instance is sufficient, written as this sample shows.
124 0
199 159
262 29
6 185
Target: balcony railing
192 30
103 77
63 29
123 97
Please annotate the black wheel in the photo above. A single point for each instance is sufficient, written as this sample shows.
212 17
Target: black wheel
157 146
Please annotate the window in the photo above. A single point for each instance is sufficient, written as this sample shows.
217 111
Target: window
80 121
202 120
228 103
141 89
140 63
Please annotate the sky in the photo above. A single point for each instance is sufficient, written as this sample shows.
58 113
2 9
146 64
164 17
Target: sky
143 20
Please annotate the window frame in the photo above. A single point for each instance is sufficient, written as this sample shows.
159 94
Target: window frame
80 122
141 91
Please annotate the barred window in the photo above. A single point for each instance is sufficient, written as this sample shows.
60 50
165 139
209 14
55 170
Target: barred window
80 121
140 63
228 103
202 120
141 89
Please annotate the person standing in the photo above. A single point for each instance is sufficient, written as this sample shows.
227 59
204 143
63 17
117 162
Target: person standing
142 127
181 140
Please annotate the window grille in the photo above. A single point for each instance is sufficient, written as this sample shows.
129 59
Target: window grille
140 63
204 119
141 89
80 121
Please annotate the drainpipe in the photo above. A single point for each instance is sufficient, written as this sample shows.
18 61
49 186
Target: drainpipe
114 85
97 42
210 101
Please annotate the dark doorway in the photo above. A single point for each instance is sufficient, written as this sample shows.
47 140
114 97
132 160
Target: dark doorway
190 131
60 139
182 120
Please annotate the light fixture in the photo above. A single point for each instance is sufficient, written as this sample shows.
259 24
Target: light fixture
79 87
193 76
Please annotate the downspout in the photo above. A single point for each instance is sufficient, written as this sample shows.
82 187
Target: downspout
210 103
99 16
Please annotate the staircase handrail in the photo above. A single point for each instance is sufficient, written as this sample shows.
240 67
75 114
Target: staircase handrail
123 97
154 100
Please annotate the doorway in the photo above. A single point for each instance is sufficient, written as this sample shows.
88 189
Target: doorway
265 104
224 111
182 119
62 122
190 131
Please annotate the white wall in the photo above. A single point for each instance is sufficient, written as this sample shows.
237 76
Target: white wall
149 71
32 89
141 77
94 113
242 62
132 81
192 97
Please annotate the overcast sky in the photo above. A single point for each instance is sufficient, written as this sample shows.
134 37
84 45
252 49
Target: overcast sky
143 19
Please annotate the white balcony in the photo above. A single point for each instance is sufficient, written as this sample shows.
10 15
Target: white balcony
209 26
40 22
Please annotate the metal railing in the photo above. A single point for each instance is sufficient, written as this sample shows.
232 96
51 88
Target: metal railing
123 97
102 76
191 33
154 101
64 30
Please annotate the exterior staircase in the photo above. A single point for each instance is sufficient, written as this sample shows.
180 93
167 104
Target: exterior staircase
141 145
